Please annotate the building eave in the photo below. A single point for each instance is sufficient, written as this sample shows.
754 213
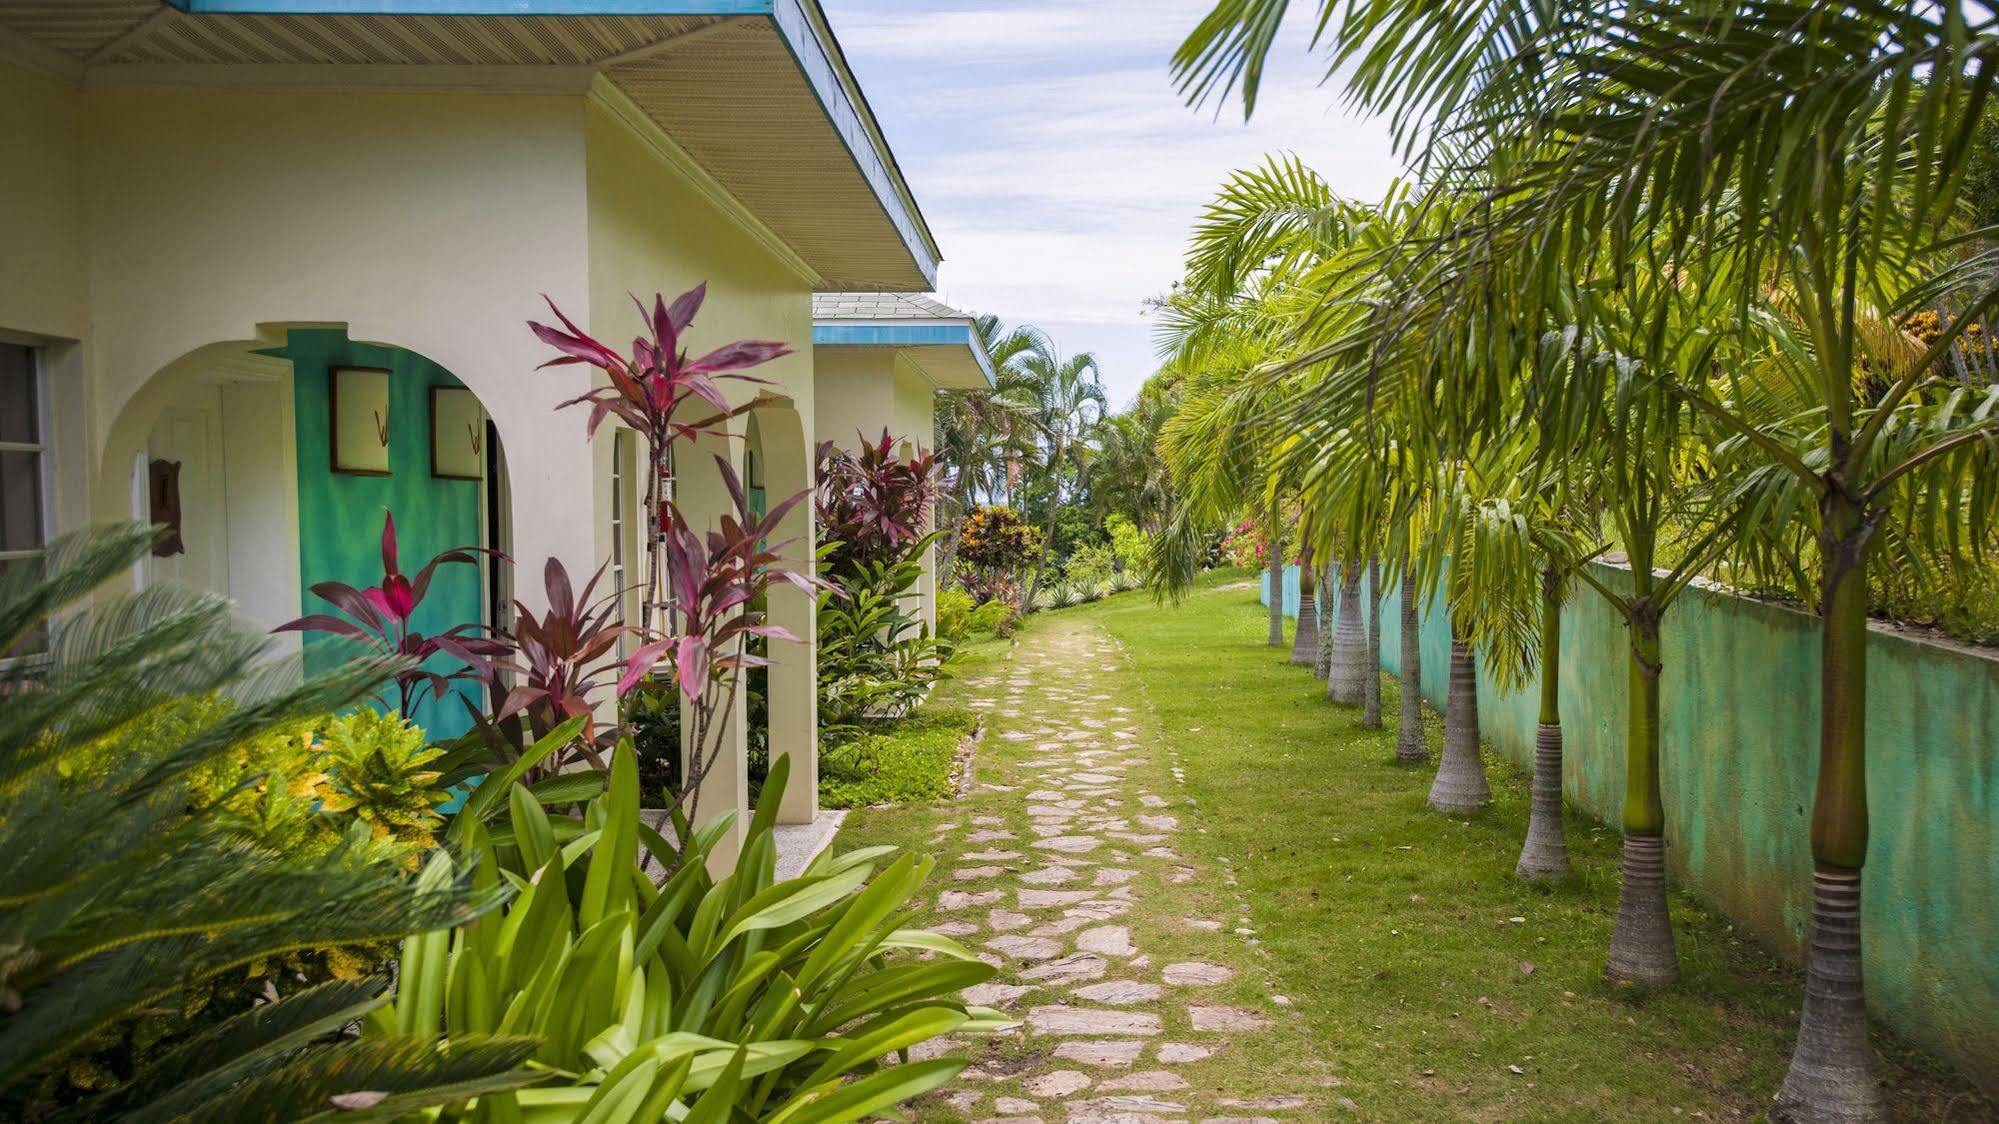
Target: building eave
949 351
905 260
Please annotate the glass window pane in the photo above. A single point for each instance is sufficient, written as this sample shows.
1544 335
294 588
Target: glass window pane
37 640
20 501
19 419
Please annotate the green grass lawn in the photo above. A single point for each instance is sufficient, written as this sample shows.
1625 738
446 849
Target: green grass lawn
1426 982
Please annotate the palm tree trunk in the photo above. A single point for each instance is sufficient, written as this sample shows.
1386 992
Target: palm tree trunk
1322 667
1347 683
1274 549
1641 944
1370 714
1545 854
1461 785
1832 1067
1305 642
1048 535
1412 747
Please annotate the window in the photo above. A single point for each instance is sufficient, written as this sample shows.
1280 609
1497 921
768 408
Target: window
23 469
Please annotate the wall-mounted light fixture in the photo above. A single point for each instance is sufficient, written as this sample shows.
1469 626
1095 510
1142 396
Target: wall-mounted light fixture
359 420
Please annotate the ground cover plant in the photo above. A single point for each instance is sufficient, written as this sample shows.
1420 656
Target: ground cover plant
906 762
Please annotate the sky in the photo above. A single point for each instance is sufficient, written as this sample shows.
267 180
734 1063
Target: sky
1057 166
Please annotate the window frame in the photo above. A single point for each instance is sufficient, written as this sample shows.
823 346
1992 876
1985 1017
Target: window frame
38 379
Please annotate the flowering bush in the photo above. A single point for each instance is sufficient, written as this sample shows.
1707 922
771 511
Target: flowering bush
996 538
1243 546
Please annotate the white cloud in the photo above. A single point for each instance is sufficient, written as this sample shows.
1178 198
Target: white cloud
1057 165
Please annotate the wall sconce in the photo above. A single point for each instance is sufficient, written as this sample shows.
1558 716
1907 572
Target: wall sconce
359 420
457 434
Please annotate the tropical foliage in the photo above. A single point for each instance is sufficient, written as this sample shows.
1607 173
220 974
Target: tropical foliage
740 997
124 728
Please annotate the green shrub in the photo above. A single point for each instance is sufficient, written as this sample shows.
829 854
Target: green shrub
652 715
744 999
901 762
1128 580
877 658
954 612
996 617
1128 544
1090 564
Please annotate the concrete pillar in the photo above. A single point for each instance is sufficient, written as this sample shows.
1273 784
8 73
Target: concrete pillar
794 678
703 498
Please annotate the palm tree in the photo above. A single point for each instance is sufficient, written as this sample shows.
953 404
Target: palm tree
983 435
1130 477
1305 642
1808 159
1070 403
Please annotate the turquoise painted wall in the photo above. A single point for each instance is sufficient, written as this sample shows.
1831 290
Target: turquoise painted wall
340 516
1739 729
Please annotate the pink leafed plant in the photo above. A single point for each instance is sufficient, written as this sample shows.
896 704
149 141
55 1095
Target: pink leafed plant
873 502
716 579
707 584
379 618
562 658
652 389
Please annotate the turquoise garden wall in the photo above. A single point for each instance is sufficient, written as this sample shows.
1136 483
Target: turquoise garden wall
1739 726
340 516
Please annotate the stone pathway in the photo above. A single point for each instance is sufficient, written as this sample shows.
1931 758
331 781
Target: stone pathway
1074 866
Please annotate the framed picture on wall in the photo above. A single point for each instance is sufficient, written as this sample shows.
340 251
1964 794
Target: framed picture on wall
457 434
359 420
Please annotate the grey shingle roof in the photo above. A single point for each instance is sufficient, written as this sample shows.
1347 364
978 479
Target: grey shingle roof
882 306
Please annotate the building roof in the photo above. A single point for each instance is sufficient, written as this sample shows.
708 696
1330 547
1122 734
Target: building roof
754 97
939 340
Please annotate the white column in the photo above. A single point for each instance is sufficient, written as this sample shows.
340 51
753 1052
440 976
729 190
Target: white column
703 498
794 679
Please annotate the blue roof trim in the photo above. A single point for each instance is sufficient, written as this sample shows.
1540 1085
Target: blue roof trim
906 335
477 7
823 72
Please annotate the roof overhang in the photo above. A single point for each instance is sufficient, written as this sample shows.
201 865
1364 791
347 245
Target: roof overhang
756 92
949 353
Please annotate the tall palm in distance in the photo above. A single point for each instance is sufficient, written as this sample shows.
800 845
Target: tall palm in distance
1070 404
987 436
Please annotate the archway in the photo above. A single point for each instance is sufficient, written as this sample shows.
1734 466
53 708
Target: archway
235 443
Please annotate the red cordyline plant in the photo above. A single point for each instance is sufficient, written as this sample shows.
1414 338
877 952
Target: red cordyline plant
379 617
649 390
874 503
716 580
564 657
